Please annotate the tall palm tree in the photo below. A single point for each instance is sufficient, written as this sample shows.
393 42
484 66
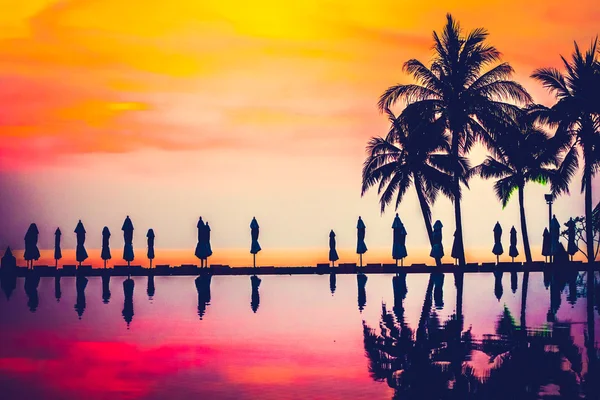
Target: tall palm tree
465 89
411 154
577 114
524 153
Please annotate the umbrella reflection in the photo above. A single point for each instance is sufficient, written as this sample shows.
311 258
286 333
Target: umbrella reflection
128 286
80 284
57 290
332 282
361 280
203 282
32 281
255 298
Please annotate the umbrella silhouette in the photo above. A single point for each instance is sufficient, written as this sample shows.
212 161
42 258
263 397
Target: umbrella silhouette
105 253
512 250
203 250
150 236
150 289
546 244
456 250
361 246
57 252
31 250
399 244
437 250
497 249
128 286
571 245
80 253
554 236
254 246
333 255
128 237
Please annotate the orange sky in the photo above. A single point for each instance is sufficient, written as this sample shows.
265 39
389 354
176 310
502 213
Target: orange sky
168 111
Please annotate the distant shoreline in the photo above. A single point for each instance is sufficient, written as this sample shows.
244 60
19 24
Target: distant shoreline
192 270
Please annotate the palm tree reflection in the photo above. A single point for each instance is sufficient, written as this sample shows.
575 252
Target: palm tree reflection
441 361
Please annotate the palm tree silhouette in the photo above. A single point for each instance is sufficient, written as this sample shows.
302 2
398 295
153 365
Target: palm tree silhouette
577 114
457 90
522 152
410 155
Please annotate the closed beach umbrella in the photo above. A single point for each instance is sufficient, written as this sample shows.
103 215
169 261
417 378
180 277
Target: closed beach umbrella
571 246
497 249
80 253
546 243
8 263
57 251
333 255
399 244
150 236
254 246
128 238
31 250
437 250
8 273
512 250
105 253
200 246
554 236
361 246
455 253
207 240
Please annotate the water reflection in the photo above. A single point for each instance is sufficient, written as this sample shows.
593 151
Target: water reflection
514 282
150 289
105 288
498 289
203 288
514 362
32 281
8 281
332 282
128 286
57 290
80 285
361 281
255 297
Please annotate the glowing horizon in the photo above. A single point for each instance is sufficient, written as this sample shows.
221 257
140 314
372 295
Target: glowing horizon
230 110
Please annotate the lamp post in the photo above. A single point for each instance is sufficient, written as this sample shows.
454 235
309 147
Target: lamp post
549 201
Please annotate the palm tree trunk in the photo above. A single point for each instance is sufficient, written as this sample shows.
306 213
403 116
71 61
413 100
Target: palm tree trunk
589 226
424 210
456 200
524 225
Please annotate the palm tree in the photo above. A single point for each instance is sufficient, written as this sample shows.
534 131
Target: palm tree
409 155
525 153
459 90
577 114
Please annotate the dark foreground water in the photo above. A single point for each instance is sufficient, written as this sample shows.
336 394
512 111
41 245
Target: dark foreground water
303 337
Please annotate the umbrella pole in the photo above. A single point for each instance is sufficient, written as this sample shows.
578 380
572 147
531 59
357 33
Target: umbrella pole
396 262
497 259
254 260
361 260
402 262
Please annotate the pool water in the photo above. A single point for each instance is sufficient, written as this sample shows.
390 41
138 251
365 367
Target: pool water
303 337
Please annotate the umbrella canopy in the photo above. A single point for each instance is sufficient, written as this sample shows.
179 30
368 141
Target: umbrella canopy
571 246
497 249
150 236
31 238
207 238
333 255
361 246
399 244
57 251
128 237
80 252
254 247
546 243
437 250
554 236
201 245
512 250
105 253
456 252
8 262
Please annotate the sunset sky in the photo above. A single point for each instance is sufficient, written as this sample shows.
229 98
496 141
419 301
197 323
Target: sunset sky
167 111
